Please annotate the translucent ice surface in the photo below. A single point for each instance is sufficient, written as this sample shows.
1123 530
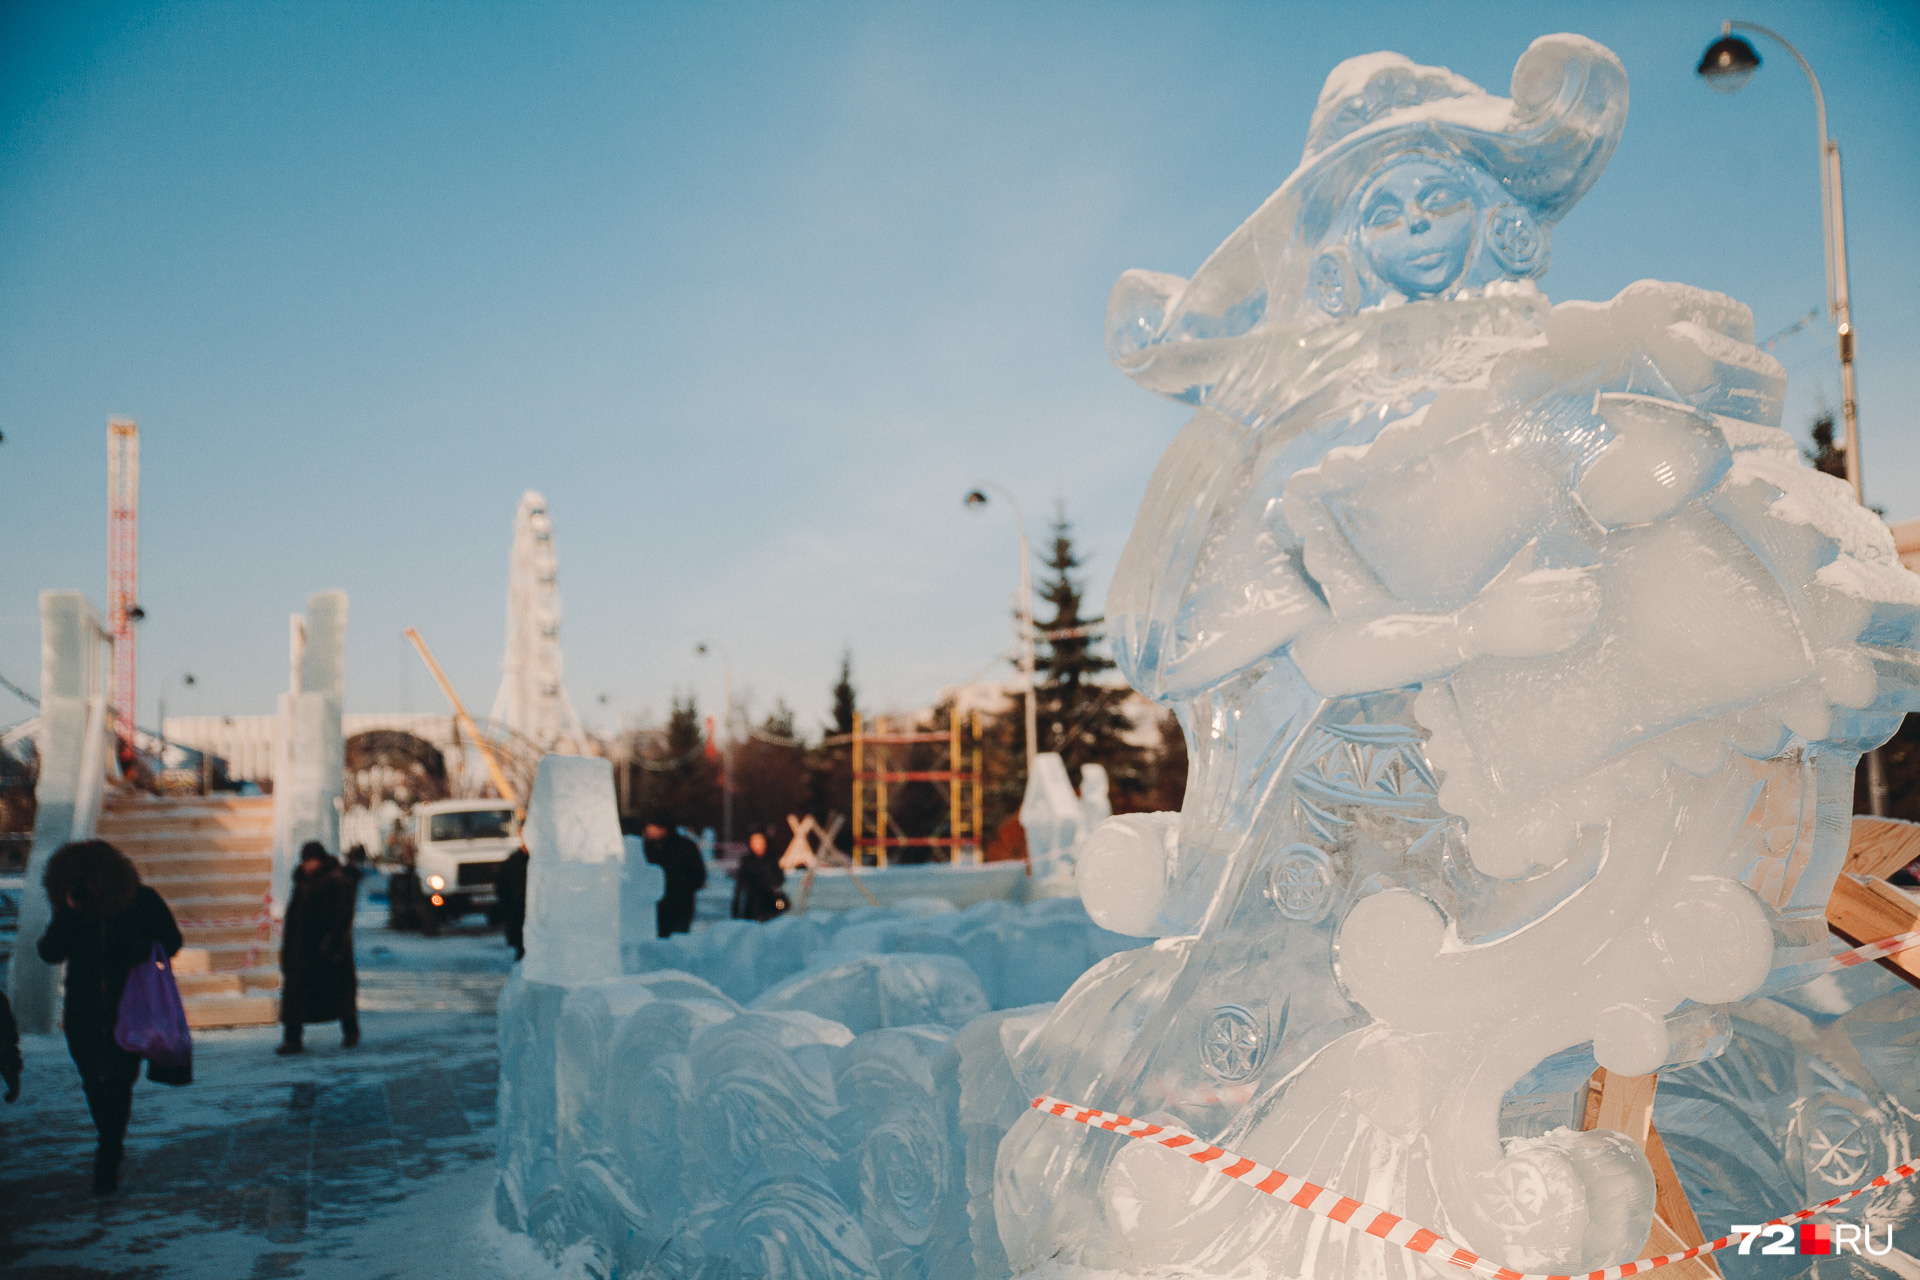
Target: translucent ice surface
574 872
820 1096
642 885
1523 667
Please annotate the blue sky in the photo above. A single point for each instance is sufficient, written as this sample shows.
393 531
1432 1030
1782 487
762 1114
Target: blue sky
752 293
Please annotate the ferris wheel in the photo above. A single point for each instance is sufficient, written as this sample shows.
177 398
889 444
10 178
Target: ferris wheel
533 703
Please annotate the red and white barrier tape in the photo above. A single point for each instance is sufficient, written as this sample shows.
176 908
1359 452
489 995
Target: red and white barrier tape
1876 950
262 920
1376 1221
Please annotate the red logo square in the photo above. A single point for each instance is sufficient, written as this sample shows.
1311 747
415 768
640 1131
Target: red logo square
1816 1238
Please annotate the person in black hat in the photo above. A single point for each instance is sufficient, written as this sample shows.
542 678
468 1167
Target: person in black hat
318 982
685 870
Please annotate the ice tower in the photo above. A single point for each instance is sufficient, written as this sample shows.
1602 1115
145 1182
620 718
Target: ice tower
1524 668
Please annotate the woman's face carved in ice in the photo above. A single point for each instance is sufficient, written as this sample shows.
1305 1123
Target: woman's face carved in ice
1416 226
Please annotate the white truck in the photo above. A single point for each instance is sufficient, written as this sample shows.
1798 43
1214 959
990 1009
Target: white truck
458 848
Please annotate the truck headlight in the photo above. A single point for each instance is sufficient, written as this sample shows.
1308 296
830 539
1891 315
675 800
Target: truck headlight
436 882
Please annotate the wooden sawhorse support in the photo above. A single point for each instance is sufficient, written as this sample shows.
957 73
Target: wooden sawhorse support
1864 908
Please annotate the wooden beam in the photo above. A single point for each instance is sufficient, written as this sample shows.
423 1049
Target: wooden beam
1881 846
1625 1105
1864 910
1670 1205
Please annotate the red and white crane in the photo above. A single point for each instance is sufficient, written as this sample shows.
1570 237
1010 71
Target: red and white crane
123 562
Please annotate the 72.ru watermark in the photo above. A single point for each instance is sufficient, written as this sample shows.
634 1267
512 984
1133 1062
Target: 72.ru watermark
1811 1237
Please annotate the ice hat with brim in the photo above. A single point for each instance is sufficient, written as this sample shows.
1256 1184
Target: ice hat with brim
1546 146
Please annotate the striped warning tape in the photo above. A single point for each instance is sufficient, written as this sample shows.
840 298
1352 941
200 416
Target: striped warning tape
1876 950
262 920
1375 1221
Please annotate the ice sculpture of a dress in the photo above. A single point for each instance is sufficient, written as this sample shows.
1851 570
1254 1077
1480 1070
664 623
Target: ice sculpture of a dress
1524 669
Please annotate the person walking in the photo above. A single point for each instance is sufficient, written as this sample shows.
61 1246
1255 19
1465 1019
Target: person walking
317 982
685 870
510 889
104 923
757 882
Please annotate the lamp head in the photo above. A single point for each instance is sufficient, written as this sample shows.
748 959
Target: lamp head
1728 64
187 679
700 650
976 498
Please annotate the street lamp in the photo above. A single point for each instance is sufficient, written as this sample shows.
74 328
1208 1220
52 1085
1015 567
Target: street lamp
726 745
1727 65
976 499
186 680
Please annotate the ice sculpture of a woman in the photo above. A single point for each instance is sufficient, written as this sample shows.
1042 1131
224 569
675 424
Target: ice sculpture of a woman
1524 668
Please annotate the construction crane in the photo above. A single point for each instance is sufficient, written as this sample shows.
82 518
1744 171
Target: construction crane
499 776
123 562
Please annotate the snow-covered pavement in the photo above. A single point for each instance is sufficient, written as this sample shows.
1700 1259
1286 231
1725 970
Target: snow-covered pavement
370 1163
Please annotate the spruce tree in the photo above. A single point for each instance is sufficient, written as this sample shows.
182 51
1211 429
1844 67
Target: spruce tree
1079 715
844 701
677 775
830 764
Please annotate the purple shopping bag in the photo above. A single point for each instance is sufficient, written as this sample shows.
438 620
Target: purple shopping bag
153 1022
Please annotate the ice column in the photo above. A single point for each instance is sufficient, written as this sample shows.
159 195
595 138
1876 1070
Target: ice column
308 747
575 873
642 885
73 760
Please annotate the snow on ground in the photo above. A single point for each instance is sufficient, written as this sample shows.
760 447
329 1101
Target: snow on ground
374 1163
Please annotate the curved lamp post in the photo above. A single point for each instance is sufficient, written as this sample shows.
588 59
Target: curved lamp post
1727 65
976 499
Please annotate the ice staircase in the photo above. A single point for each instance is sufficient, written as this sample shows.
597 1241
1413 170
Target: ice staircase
211 858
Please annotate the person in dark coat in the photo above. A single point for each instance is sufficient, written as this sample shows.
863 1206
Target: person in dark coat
317 981
104 923
686 873
510 888
757 882
10 1063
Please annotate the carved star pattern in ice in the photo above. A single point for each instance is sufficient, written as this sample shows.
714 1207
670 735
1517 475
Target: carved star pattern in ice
1230 1043
1839 1164
1301 884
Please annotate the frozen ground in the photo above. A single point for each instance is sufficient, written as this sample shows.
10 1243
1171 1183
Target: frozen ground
367 1164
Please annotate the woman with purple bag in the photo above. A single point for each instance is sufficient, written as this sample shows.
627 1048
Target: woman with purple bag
105 922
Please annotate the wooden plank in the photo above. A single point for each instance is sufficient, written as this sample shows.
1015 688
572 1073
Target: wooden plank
1865 910
1625 1105
1665 1239
1881 846
1673 1214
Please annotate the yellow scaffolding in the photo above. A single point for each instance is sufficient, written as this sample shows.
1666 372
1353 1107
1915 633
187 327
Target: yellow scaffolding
875 745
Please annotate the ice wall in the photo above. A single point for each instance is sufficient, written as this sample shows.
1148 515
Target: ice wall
818 1096
575 881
